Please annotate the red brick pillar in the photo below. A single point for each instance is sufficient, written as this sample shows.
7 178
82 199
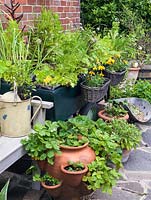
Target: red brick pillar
68 10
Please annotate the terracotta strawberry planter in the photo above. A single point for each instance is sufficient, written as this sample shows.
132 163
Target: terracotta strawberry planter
83 153
105 117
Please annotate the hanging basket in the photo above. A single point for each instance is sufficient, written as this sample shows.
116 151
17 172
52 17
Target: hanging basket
115 77
94 94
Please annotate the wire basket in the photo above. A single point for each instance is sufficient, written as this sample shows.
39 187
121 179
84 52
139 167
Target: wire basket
94 94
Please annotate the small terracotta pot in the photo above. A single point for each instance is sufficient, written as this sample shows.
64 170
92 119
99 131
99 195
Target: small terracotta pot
133 73
73 178
54 190
105 117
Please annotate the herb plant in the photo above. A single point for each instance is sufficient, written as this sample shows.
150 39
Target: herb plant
115 109
95 77
127 136
61 56
74 166
141 89
43 143
106 139
47 179
15 64
100 176
116 64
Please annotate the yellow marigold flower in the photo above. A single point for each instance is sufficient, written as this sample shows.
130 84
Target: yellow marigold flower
94 68
101 74
110 61
101 67
125 61
91 73
47 80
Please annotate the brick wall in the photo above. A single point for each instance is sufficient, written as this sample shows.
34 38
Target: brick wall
68 10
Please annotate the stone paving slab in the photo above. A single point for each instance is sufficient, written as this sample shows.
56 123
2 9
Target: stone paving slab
132 186
139 160
135 175
147 137
117 194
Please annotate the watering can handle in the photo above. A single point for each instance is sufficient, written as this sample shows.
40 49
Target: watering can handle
15 92
39 107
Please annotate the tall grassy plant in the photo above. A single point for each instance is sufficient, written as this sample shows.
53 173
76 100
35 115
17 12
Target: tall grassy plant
3 192
15 64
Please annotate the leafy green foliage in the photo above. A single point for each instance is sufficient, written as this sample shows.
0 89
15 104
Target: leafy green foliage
49 180
115 109
101 14
70 61
141 89
124 91
45 37
61 56
100 176
42 144
106 139
74 166
127 136
15 65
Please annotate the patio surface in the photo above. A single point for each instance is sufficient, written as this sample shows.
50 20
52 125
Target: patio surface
135 183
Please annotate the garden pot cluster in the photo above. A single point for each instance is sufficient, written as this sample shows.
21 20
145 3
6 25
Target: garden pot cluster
49 60
78 151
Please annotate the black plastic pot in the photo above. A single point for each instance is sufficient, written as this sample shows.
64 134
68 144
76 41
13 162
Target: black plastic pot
115 77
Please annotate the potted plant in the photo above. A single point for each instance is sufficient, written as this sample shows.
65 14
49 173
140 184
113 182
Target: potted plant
57 142
133 70
40 146
16 70
115 69
127 136
73 171
113 110
49 183
62 58
95 86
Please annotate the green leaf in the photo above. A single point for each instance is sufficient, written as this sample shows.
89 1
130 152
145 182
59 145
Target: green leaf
3 193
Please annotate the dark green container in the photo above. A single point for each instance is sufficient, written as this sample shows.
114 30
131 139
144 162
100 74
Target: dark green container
67 100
